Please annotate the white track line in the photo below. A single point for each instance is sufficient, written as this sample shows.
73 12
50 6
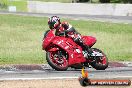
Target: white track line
48 78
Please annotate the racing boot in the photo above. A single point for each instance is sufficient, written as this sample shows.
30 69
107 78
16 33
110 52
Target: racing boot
80 42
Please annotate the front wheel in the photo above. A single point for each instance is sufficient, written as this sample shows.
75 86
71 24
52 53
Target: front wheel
57 60
101 62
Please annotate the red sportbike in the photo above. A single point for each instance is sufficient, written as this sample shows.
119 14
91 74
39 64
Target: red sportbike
62 52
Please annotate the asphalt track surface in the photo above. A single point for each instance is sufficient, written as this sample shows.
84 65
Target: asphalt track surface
120 72
49 73
101 18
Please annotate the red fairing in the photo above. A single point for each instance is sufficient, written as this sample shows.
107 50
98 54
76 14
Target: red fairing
74 51
47 40
89 40
52 42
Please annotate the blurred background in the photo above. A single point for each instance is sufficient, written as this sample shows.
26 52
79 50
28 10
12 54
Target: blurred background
21 5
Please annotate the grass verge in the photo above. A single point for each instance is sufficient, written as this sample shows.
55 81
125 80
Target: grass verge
21 38
21 5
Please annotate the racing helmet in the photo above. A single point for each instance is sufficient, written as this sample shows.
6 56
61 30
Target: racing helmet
53 22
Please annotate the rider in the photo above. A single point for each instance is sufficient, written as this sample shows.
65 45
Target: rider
64 28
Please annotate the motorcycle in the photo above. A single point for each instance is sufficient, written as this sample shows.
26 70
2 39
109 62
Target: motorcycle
62 52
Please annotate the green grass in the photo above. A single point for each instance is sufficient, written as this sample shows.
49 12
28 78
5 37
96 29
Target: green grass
21 5
3 4
21 38
3 9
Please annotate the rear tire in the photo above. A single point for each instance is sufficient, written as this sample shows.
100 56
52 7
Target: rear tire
54 65
100 64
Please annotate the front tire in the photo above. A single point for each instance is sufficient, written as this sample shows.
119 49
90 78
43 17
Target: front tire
101 63
53 61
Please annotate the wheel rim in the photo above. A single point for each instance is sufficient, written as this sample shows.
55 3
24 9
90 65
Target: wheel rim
58 62
101 60
104 60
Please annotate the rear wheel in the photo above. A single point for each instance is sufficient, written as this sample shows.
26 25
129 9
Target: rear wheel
101 62
57 60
